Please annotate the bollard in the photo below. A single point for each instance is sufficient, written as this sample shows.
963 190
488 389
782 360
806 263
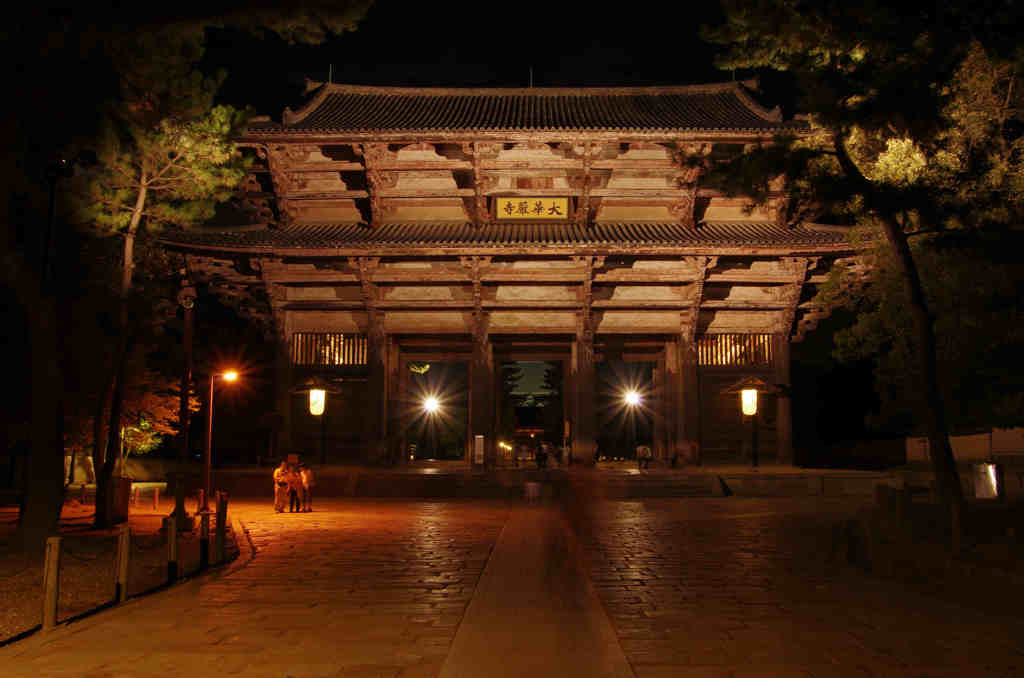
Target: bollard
219 537
204 540
156 498
172 550
51 581
124 545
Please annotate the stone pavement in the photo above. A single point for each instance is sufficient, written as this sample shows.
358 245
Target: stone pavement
692 587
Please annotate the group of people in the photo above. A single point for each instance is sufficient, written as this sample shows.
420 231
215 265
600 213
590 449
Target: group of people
293 484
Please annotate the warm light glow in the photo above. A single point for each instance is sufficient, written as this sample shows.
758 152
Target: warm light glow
317 398
748 398
230 375
632 398
431 405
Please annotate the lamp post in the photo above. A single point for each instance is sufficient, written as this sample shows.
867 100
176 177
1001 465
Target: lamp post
228 376
633 401
317 389
748 390
431 405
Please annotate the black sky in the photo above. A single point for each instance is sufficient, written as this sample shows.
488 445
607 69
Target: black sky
471 44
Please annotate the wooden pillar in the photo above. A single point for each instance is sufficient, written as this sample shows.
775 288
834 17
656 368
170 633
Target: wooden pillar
783 403
655 412
376 424
673 410
283 397
394 400
481 392
584 379
691 416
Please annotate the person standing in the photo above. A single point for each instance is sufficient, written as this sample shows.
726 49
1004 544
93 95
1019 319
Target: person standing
280 486
306 474
294 489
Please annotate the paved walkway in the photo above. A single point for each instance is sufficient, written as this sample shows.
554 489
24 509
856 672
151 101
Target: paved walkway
719 588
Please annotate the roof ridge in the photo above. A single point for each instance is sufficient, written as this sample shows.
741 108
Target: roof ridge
341 88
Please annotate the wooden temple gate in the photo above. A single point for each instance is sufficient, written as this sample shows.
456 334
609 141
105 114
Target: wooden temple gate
401 225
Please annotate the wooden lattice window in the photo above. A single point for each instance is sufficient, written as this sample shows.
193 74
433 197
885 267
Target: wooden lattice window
735 350
328 349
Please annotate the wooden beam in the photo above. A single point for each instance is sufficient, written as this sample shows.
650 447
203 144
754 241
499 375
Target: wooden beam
798 268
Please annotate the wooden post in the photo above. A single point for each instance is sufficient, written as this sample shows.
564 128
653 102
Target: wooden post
124 545
673 407
691 397
156 498
783 404
219 537
204 540
172 550
200 497
481 392
81 495
584 378
375 433
51 582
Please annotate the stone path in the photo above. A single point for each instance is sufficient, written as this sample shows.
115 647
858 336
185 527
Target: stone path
534 612
713 588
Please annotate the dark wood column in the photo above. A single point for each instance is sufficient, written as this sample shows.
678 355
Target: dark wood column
282 372
376 425
584 378
690 398
783 402
481 392
675 425
394 404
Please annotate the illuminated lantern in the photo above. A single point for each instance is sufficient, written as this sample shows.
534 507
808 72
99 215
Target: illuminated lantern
633 398
748 399
317 397
431 405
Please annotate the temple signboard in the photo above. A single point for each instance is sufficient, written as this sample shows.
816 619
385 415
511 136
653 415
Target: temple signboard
531 208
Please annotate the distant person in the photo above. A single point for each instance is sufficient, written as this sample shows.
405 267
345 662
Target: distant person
643 456
542 456
280 486
294 489
306 474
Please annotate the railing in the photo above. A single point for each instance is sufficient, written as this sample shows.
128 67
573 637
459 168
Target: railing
328 349
735 350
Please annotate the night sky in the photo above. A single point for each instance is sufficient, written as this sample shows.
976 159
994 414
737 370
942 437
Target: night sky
465 44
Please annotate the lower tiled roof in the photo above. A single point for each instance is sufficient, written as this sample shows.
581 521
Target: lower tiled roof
519 235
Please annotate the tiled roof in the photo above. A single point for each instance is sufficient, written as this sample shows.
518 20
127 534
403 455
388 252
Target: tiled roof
340 109
519 235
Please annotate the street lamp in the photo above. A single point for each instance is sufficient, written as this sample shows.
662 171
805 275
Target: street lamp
633 401
228 376
748 389
318 388
432 406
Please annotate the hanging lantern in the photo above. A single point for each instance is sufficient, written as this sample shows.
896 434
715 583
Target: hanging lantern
317 397
748 399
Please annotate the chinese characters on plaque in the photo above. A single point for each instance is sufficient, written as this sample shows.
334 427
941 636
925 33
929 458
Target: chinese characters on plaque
535 209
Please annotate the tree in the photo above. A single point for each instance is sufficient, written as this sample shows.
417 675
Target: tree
911 108
68 71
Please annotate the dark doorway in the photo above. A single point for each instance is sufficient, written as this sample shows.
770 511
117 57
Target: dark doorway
439 403
625 408
530 410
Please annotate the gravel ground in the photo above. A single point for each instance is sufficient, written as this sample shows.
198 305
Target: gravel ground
87 564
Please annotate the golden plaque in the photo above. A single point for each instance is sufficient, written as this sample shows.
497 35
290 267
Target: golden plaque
531 209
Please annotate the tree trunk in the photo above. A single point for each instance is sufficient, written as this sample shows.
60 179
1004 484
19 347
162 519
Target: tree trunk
941 452
44 477
943 464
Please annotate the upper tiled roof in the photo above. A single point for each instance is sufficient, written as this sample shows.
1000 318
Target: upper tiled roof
349 109
513 236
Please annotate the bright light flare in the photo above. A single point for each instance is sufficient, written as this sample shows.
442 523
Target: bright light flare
632 398
748 400
317 399
230 375
431 405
